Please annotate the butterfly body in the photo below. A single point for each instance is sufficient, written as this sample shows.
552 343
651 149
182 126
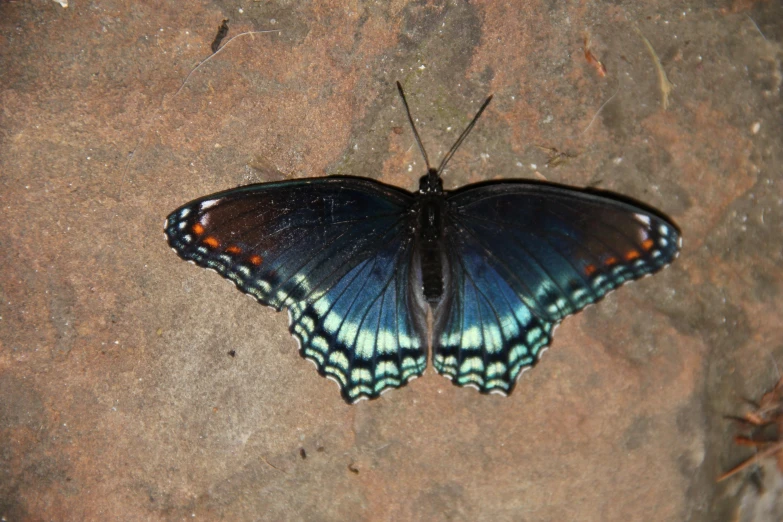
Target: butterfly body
430 208
359 265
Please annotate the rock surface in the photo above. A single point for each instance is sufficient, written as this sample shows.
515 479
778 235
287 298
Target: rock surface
118 398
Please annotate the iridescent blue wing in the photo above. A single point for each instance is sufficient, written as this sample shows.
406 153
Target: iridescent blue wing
336 252
522 257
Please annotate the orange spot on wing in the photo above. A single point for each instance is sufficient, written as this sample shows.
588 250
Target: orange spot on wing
610 261
198 229
590 270
647 244
233 249
631 255
211 242
256 260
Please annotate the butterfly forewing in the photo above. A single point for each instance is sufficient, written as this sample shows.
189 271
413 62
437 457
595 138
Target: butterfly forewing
329 250
525 255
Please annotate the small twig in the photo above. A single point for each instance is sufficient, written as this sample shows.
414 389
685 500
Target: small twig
755 458
756 26
600 109
271 465
208 58
745 441
555 157
600 68
663 81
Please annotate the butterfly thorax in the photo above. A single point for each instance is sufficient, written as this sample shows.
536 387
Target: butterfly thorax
430 209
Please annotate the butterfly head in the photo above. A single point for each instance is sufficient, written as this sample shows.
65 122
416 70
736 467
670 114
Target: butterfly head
431 184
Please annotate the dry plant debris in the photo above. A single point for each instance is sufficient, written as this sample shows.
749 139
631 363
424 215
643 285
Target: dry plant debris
592 60
663 81
764 430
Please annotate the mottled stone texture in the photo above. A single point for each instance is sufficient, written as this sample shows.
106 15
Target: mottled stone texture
118 397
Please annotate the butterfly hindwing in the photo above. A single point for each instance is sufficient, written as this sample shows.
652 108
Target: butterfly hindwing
484 334
368 331
523 256
335 252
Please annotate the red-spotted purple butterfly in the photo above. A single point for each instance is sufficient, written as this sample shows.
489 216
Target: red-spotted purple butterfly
358 264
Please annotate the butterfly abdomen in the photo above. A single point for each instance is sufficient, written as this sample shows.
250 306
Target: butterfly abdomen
430 245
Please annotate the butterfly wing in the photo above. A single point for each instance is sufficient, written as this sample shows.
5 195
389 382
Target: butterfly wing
336 252
522 257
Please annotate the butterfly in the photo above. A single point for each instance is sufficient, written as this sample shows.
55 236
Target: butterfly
359 265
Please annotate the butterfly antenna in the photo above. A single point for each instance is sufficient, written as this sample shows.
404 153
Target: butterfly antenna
463 136
415 132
